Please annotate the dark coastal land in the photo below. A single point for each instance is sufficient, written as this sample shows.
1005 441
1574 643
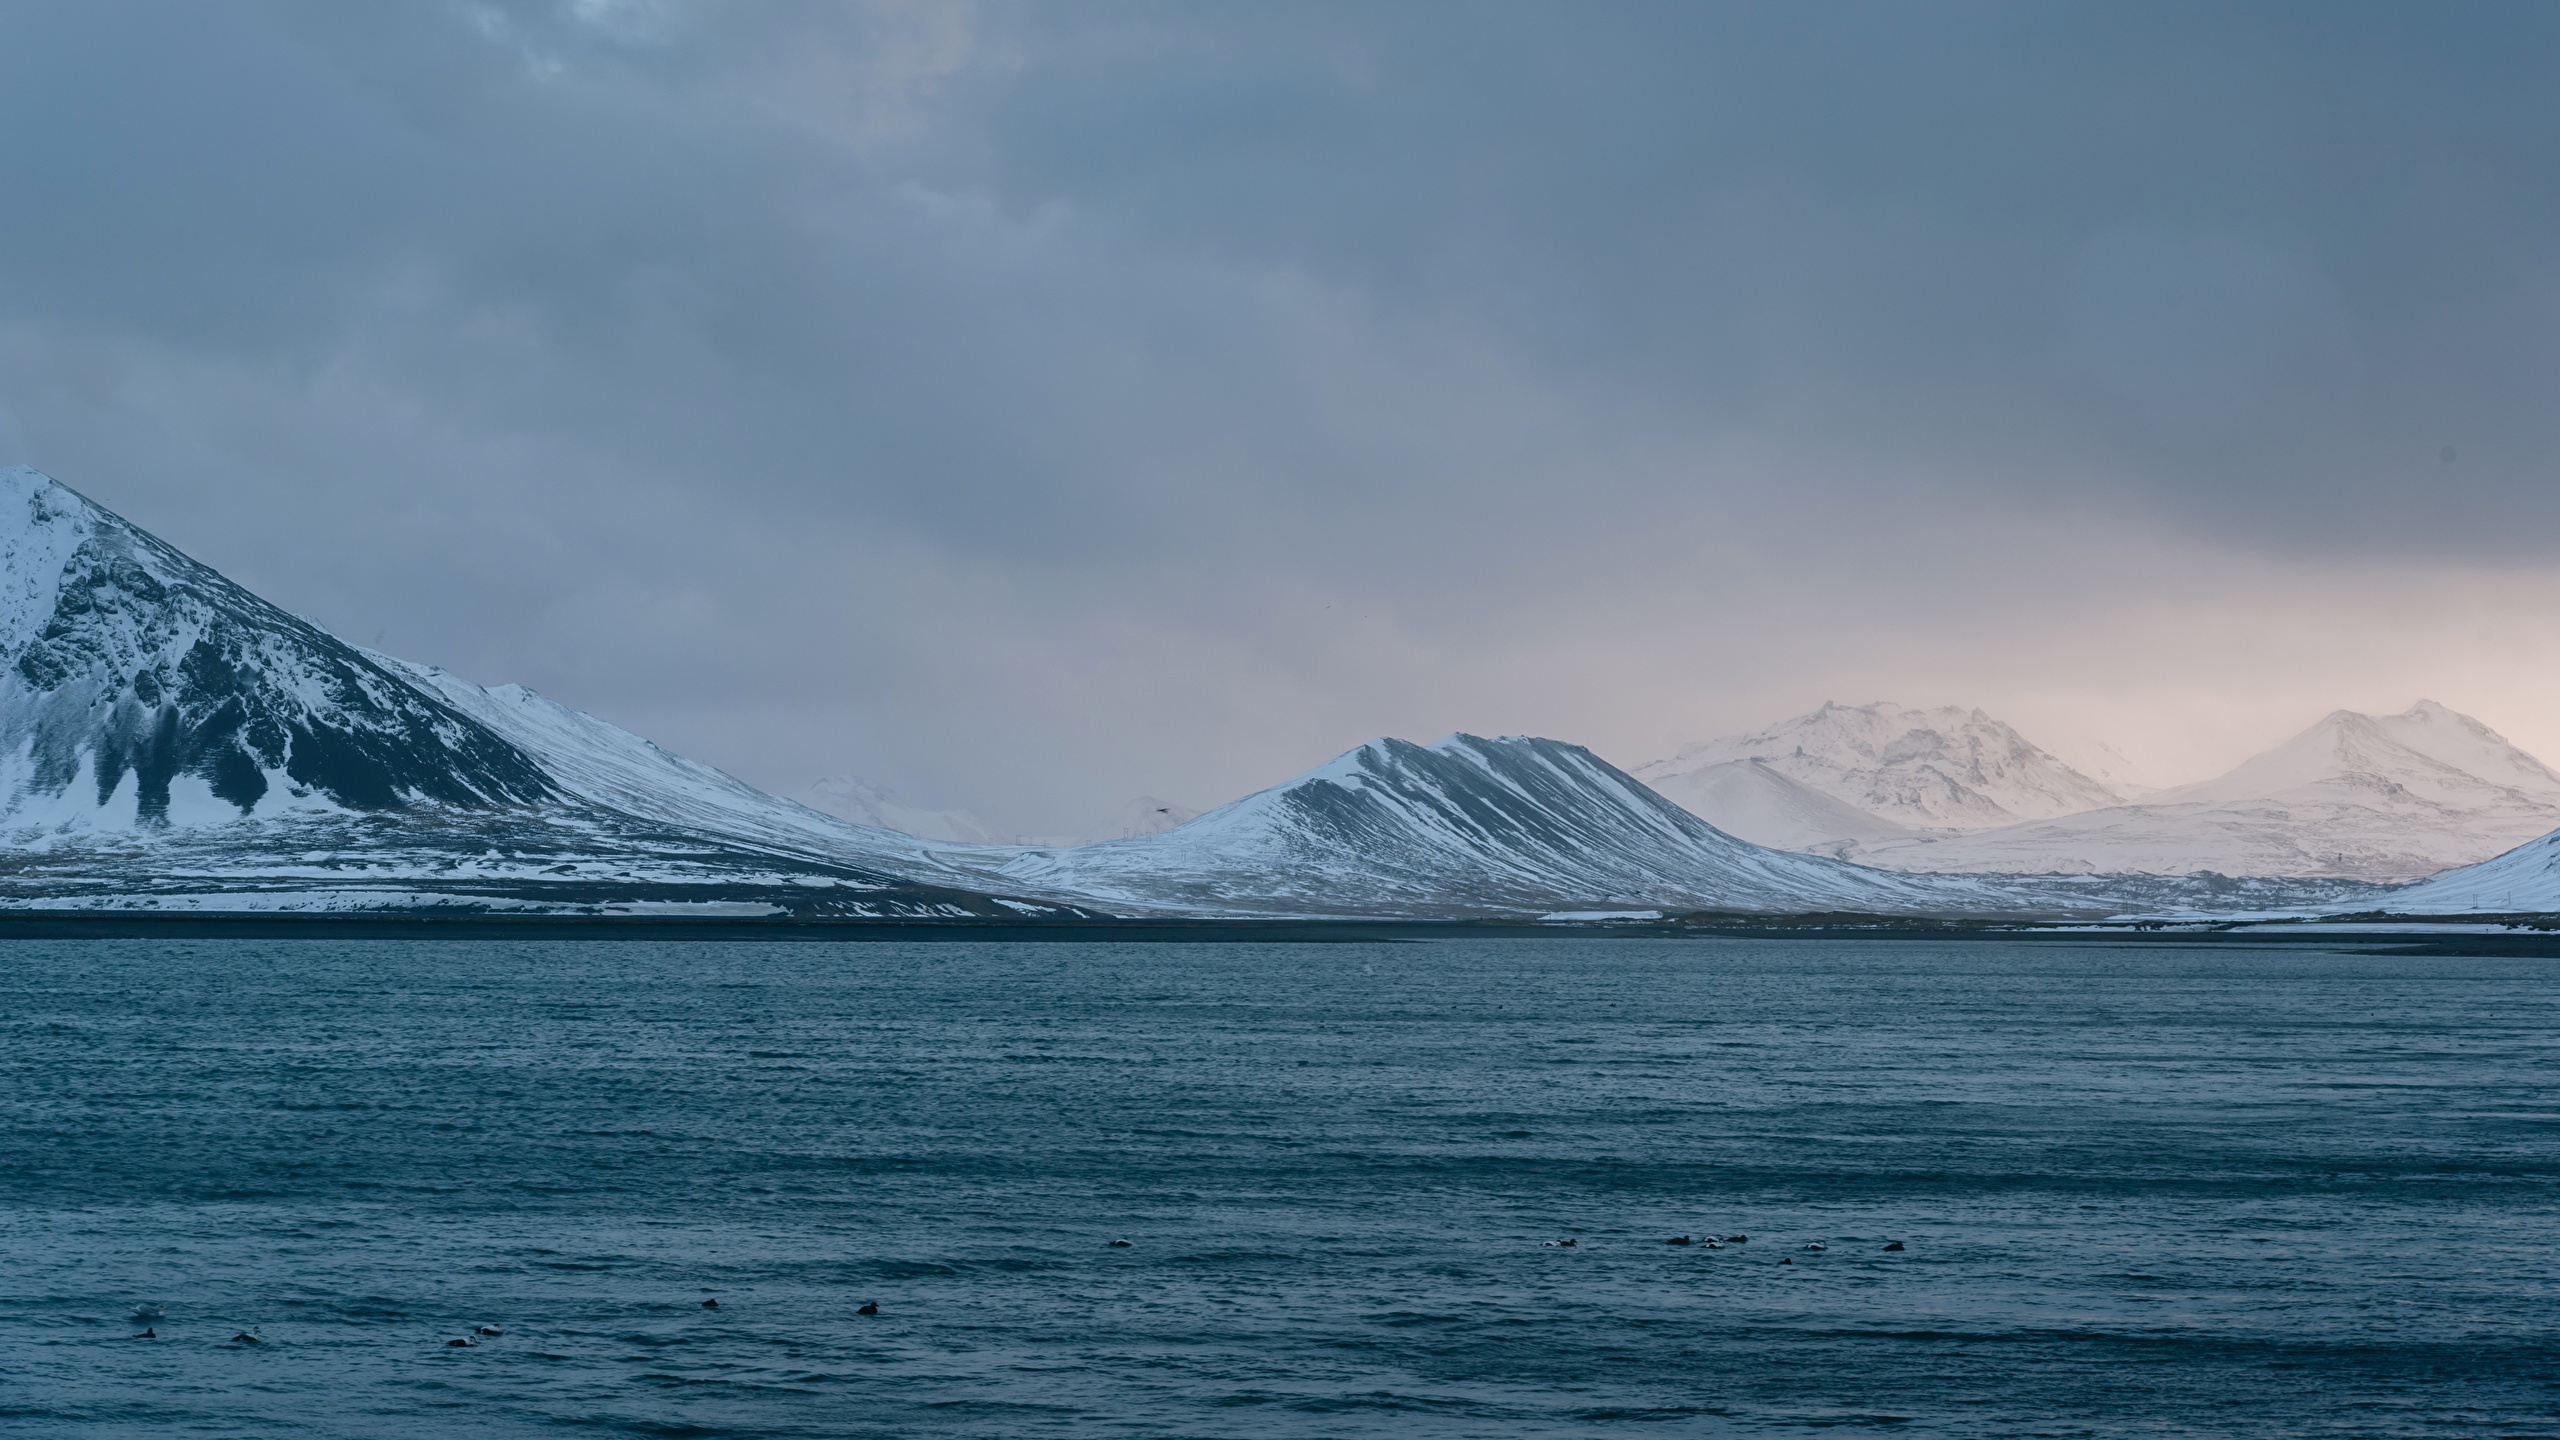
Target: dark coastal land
2522 935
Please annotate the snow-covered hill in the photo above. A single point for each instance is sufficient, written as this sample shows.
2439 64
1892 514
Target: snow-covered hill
169 739
2525 880
1514 826
1466 826
2367 797
1947 768
142 689
612 769
1753 800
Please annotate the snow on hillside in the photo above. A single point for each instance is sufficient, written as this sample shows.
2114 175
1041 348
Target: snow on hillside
2521 881
1947 768
142 690
2367 797
615 770
2114 771
1467 825
1754 801
1517 827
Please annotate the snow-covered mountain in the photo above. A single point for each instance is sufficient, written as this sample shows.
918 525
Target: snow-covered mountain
1464 826
1947 768
1512 826
2367 797
2364 797
144 690
1754 800
2114 770
169 740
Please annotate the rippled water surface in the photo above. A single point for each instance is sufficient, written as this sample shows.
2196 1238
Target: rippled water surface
2145 1190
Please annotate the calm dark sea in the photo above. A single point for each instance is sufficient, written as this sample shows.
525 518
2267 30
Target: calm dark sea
2144 1190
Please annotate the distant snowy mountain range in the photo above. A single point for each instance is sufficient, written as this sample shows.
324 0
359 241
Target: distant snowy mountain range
169 740
2363 797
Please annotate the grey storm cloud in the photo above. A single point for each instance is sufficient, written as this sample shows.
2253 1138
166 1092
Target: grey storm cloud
1039 404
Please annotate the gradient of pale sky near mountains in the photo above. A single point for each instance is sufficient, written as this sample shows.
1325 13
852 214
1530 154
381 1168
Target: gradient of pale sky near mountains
1031 406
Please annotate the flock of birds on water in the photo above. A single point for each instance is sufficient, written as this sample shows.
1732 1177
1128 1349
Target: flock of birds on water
251 1336
1713 1243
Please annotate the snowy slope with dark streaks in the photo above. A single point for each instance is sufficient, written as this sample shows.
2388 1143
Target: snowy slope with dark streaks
141 689
1513 827
168 739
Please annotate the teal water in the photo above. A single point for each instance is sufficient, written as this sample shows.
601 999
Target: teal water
2144 1190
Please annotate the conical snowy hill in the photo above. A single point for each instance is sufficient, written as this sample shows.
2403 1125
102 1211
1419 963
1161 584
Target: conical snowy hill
169 740
141 688
1511 826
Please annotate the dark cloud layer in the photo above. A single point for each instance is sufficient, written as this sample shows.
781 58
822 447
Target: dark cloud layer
1036 404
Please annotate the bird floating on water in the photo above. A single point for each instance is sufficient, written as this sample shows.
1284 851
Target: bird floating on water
462 1344
1119 1244
1817 1245
148 1334
1735 1239
490 1330
1678 1240
249 1336
710 1304
869 1307
1896 1245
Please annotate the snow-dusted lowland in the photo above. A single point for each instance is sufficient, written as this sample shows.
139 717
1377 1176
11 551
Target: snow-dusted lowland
171 741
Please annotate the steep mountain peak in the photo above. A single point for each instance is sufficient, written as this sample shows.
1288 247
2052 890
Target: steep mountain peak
2428 750
141 688
1948 767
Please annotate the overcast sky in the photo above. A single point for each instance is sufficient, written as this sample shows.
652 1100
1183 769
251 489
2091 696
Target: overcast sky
1030 406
